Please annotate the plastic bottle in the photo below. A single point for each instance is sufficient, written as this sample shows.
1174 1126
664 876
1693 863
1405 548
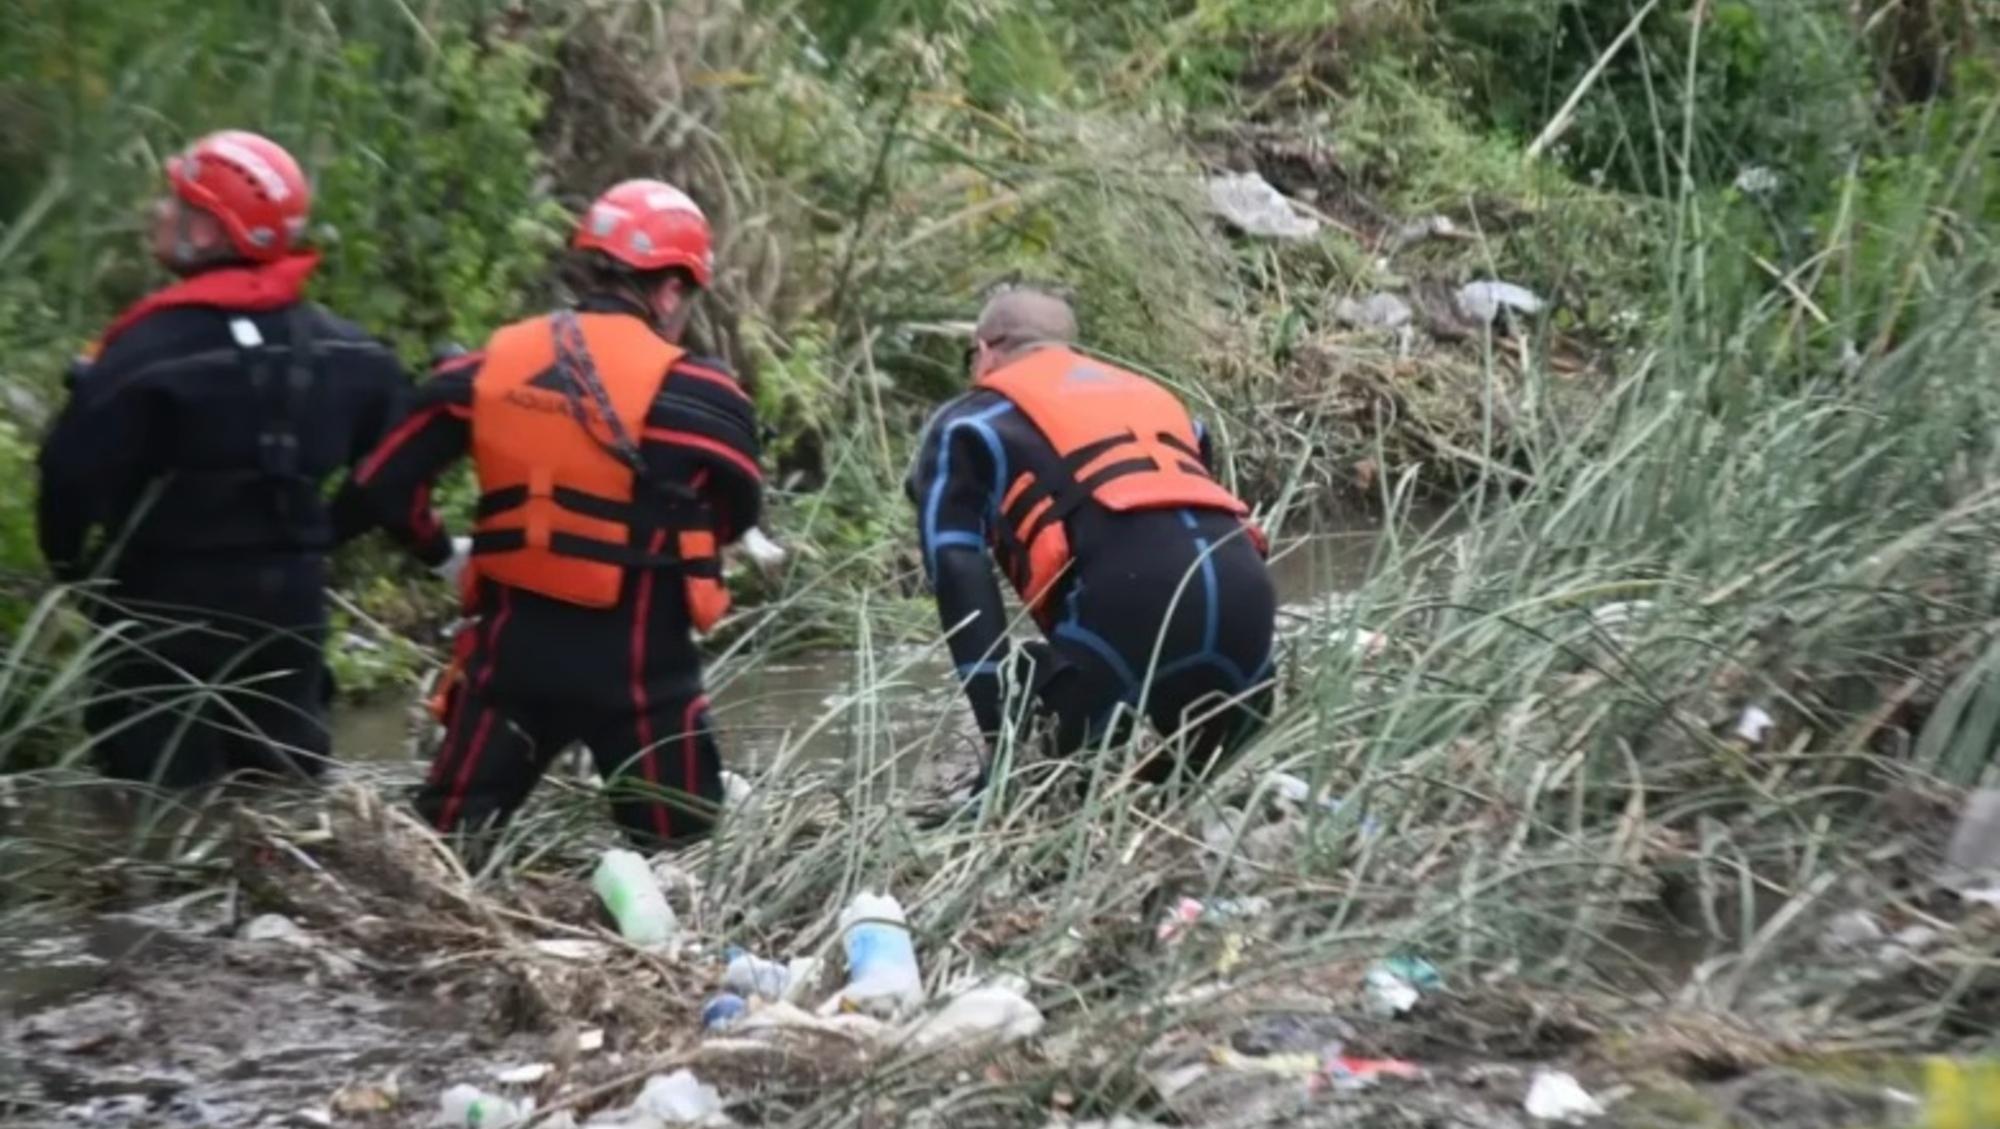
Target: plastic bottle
751 975
469 1107
882 975
723 1012
629 890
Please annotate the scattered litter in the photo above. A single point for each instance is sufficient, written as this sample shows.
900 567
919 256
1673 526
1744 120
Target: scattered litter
724 1012
1987 896
313 1116
1484 301
767 554
986 1016
736 790
524 1075
1555 1096
1851 932
1187 911
1394 986
1757 180
1343 1072
590 1040
1610 617
750 975
574 948
1114 1123
1252 206
1179 920
679 1099
360 1099
632 893
1973 856
779 1017
1377 311
1429 227
1291 1033
882 974
472 1108
276 927
1753 726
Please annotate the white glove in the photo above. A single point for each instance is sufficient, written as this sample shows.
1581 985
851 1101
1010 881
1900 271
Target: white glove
453 567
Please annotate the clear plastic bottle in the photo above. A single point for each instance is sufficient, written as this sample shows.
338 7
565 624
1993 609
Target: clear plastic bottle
882 974
469 1107
629 890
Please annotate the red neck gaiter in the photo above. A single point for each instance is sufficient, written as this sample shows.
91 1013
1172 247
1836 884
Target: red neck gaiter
267 286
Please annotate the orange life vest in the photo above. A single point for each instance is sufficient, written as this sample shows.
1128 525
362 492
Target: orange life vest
1124 443
556 511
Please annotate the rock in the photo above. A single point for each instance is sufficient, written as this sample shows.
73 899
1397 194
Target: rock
1253 207
1377 311
1973 856
1484 301
1291 1033
1782 1097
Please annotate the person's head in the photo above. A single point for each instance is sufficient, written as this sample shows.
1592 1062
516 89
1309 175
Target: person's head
1018 321
232 197
646 242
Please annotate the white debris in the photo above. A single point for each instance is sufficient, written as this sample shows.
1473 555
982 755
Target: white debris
524 1075
735 790
987 1016
1972 859
573 948
1612 617
1850 932
1485 300
1757 180
590 1040
1555 1096
1288 787
1754 725
1250 204
679 1099
275 927
766 553
1377 311
315 1116
1389 994
470 1107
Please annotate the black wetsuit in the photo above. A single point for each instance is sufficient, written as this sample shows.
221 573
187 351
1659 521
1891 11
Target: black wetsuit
188 470
1167 614
625 680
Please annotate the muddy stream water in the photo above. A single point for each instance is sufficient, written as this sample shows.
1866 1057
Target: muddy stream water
166 1013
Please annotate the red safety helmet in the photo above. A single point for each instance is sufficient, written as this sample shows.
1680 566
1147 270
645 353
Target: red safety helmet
251 185
649 225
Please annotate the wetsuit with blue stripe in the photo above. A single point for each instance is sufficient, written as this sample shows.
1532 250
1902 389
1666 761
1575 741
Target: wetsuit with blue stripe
1167 613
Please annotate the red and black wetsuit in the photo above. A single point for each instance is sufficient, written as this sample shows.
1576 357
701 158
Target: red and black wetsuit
196 443
623 678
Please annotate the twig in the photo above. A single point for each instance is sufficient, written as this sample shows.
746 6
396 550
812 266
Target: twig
1561 122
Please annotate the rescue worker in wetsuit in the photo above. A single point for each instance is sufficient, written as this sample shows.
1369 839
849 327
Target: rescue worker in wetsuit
1091 487
613 468
187 469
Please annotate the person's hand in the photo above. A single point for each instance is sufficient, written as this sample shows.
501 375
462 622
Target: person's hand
453 567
